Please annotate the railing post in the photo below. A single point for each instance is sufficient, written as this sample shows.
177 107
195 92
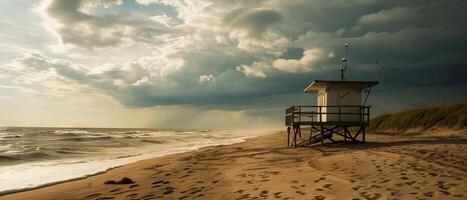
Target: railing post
360 112
320 114
368 115
340 119
299 114
293 114
322 134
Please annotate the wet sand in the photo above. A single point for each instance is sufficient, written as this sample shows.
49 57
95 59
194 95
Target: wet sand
386 167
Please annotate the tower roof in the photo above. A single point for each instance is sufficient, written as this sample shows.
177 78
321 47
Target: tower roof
322 84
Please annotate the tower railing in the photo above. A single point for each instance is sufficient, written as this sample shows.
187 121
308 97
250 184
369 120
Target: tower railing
329 115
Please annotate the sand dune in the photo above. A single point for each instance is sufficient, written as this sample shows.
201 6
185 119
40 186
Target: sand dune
387 167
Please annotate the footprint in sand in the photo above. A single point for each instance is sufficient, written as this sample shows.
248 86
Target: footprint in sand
327 186
157 182
241 175
132 195
385 181
168 190
445 192
115 190
195 190
319 197
277 194
275 173
245 196
300 192
410 182
149 196
105 198
371 196
356 187
320 179
264 194
432 174
94 195
122 181
442 186
399 184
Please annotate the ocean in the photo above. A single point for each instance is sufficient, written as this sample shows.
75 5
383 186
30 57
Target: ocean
36 157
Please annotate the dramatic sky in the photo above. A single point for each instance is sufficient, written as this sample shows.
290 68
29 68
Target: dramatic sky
219 63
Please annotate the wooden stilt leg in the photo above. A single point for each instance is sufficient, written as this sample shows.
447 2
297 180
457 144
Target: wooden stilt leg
300 132
322 135
363 134
295 136
311 133
345 134
288 136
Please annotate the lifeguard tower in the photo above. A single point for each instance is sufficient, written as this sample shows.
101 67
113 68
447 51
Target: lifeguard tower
339 111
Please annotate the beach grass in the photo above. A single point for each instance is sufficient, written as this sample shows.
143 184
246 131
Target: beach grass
450 116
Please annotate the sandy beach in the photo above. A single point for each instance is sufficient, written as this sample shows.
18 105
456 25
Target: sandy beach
386 167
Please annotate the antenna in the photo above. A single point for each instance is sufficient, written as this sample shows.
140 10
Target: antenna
378 72
383 76
344 61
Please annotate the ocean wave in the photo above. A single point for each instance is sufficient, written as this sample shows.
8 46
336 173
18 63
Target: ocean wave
153 141
8 158
33 156
71 132
11 136
87 138
69 152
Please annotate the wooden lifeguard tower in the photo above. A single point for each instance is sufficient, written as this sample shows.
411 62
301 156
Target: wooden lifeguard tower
339 111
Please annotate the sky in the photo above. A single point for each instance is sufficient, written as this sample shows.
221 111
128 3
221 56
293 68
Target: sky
219 63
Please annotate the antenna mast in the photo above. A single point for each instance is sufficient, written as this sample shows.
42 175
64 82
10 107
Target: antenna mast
380 70
344 61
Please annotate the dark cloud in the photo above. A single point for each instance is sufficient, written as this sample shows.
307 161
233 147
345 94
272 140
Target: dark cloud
255 21
287 45
79 27
293 53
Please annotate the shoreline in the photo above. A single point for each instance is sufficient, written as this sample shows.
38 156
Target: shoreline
77 178
264 167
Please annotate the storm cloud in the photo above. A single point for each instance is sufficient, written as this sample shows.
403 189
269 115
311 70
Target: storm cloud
238 53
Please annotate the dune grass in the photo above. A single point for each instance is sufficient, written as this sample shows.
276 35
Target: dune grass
451 116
